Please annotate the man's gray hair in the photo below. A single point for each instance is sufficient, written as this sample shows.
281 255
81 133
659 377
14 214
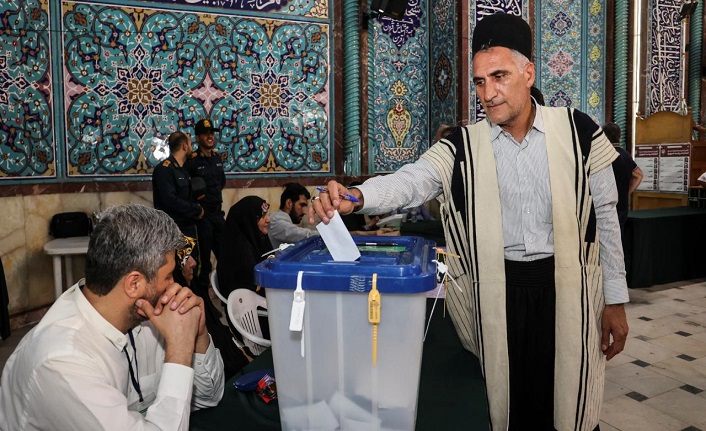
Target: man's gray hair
520 60
129 238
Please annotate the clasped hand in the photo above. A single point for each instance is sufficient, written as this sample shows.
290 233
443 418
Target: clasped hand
179 317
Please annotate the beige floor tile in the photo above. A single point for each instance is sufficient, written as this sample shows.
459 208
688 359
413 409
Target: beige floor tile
700 336
612 390
655 310
635 310
686 292
658 327
648 351
622 358
700 362
693 289
668 306
681 405
606 427
643 380
681 370
697 319
633 333
687 296
626 414
691 294
695 324
688 345
699 301
639 327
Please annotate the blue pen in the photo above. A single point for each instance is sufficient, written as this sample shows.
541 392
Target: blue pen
347 196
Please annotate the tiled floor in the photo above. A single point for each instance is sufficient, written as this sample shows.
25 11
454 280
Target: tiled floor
659 381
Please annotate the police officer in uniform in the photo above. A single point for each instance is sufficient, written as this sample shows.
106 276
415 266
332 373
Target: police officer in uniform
207 164
171 186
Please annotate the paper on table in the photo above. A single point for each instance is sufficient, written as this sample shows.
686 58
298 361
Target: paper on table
338 240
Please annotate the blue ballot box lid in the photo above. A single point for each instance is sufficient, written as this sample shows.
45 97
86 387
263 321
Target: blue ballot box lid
403 264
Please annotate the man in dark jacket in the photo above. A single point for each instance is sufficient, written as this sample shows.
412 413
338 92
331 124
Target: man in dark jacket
171 186
207 164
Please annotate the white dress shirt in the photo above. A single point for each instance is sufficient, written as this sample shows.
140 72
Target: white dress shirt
282 230
70 372
525 199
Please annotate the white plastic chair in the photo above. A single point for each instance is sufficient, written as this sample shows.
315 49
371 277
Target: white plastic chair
214 284
243 312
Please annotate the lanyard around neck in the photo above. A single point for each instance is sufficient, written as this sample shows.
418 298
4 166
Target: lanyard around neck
134 375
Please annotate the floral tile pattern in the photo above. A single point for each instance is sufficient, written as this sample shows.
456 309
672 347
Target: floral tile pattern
571 57
594 76
309 8
442 57
559 58
398 96
132 76
26 126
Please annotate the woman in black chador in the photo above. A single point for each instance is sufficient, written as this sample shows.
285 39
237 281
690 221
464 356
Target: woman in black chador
244 244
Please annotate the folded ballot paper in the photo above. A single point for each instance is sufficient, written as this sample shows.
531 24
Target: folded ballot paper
338 240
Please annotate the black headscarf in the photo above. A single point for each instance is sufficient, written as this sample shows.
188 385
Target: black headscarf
243 245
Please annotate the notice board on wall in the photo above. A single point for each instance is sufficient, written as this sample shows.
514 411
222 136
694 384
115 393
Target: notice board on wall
647 158
665 167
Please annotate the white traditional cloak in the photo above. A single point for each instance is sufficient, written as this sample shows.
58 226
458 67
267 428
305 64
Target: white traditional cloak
471 214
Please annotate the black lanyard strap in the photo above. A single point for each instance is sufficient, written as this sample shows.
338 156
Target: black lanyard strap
134 375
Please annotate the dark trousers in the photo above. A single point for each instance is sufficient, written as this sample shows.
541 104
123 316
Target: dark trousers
530 306
211 229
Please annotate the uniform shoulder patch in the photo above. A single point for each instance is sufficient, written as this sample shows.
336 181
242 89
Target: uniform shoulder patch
166 163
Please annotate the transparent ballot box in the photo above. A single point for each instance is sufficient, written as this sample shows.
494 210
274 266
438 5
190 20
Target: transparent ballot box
332 371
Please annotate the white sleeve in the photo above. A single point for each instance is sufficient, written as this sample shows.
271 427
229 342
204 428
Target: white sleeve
209 379
605 197
412 185
77 395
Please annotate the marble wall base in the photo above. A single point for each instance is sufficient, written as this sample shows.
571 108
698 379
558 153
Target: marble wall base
25 230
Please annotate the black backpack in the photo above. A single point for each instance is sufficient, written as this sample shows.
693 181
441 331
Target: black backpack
66 225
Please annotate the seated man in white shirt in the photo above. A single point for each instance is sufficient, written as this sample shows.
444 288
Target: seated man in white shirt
126 350
293 204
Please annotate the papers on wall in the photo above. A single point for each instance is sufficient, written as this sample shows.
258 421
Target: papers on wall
674 168
647 158
665 167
